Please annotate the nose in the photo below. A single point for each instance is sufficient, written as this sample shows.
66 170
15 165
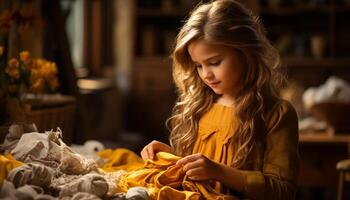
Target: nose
207 73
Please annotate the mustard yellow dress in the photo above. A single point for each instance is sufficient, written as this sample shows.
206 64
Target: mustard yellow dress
275 177
215 133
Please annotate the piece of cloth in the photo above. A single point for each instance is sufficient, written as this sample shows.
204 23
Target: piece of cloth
112 179
120 159
137 193
49 149
74 163
59 182
334 90
276 177
7 163
90 183
15 132
31 174
89 148
37 145
82 196
9 192
55 167
165 180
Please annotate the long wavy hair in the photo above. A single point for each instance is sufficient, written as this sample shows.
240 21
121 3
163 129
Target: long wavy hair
228 23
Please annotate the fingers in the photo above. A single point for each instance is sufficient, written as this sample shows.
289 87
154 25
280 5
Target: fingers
150 152
195 173
187 159
192 165
144 153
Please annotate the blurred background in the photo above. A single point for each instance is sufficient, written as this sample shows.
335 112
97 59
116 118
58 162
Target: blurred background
114 84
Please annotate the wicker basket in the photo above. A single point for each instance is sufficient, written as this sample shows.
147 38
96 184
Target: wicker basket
336 115
53 113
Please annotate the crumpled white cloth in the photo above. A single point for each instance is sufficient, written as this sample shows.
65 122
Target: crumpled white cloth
91 183
15 132
9 192
333 90
137 193
31 174
51 164
49 148
89 148
82 196
37 145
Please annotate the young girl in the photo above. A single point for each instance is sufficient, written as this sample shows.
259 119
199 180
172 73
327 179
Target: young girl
229 124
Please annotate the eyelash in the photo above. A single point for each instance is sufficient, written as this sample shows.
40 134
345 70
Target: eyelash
216 63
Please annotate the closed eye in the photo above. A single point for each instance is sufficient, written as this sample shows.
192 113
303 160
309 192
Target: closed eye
215 63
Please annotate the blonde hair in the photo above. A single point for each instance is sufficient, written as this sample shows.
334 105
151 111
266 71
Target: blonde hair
228 23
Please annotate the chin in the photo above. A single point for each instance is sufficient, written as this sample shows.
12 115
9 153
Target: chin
217 91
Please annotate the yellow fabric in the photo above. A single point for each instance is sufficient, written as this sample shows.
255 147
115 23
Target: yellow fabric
275 178
7 163
165 180
120 159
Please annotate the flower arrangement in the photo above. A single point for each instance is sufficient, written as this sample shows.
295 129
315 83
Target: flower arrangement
29 75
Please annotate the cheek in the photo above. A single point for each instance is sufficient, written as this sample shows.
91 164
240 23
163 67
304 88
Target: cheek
231 77
199 73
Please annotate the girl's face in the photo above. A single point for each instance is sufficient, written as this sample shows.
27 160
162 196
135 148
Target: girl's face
220 67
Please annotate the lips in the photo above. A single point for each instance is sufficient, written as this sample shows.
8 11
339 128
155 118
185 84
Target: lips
214 83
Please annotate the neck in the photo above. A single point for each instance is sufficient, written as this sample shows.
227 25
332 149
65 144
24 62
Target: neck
226 100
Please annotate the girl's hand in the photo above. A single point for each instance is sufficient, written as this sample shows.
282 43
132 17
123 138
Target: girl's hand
152 148
199 168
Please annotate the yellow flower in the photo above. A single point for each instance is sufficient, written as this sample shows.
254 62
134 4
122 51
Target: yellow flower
37 86
34 74
24 56
1 50
40 73
13 63
34 64
12 69
49 70
14 73
54 83
40 61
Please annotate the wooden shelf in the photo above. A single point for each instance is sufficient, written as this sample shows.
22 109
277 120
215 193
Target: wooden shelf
292 11
154 12
288 61
152 59
324 138
312 62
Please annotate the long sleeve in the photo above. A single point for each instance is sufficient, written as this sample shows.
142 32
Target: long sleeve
281 158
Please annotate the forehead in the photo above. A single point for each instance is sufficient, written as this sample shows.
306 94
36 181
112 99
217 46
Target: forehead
201 49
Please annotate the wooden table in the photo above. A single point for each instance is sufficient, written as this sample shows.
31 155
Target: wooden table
319 153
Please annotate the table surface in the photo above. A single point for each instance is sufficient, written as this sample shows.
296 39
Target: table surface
324 138
319 153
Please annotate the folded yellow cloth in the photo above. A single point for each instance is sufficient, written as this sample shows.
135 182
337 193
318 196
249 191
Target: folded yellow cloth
7 163
120 159
161 176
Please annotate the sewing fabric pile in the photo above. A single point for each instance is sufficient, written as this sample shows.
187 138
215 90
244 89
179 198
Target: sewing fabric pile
41 166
